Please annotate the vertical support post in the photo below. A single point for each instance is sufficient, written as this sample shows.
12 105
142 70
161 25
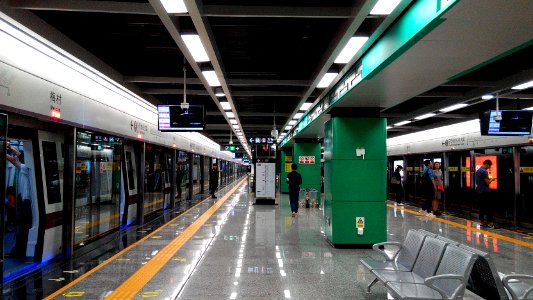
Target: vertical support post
69 198
355 212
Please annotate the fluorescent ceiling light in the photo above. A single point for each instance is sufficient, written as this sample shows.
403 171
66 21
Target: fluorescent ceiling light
389 127
306 106
384 7
522 86
219 92
288 127
402 123
235 126
487 97
453 107
174 6
354 44
233 121
422 117
225 105
529 108
326 80
195 47
211 78
230 114
292 122
298 116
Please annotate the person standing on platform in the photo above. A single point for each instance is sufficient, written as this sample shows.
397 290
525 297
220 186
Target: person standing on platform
439 188
294 179
483 179
213 180
428 186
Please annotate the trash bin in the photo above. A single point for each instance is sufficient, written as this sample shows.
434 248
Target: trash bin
307 198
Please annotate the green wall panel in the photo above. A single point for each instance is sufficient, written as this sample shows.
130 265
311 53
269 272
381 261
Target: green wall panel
342 227
347 134
311 175
369 176
286 157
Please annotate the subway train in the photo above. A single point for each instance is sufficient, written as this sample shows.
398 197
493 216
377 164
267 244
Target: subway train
461 149
84 156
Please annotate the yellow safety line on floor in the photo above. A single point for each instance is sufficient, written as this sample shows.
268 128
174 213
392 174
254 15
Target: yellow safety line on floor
112 258
455 224
129 288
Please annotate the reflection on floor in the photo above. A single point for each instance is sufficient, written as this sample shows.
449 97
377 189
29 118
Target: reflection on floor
247 251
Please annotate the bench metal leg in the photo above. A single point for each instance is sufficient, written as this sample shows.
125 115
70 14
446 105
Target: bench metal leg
370 285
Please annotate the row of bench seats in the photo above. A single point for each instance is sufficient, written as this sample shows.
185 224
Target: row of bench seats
428 266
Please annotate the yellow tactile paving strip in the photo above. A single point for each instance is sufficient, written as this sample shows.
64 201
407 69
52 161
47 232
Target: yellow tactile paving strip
458 225
163 255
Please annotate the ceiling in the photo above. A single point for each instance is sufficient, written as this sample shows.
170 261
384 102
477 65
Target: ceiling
270 55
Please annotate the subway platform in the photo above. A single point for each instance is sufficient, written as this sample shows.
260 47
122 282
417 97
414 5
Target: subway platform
229 248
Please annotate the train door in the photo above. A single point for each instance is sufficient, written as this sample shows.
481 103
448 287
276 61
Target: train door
97 189
207 168
196 174
21 204
459 193
525 198
166 168
130 186
153 179
182 175
52 168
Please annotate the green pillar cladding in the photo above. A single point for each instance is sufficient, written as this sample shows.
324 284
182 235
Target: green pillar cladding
309 168
286 161
355 186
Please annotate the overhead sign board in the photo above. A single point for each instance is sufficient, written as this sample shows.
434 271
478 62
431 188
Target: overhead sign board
261 140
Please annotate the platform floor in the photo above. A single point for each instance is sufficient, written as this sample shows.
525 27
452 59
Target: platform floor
229 248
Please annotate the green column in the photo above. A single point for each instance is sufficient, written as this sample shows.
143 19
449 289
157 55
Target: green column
286 161
355 186
310 171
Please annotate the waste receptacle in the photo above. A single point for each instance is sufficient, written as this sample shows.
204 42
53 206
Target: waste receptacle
308 198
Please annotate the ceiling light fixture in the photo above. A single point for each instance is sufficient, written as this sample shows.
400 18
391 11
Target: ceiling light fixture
425 116
225 105
306 106
288 127
402 123
292 122
195 47
297 116
174 6
233 121
230 115
384 7
522 86
211 78
354 44
487 97
453 107
235 126
326 80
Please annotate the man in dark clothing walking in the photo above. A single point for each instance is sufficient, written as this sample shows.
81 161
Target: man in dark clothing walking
483 179
294 179
213 180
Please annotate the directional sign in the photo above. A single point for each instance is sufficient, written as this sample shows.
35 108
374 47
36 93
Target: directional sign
261 140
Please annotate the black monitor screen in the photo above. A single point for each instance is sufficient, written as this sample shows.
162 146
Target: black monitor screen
512 122
175 118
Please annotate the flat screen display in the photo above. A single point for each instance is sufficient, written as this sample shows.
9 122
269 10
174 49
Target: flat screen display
513 122
175 118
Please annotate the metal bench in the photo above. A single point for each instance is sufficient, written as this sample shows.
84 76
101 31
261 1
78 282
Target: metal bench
449 281
425 265
402 259
484 279
520 286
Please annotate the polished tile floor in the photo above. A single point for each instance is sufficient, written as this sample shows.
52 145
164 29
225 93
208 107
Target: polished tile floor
247 251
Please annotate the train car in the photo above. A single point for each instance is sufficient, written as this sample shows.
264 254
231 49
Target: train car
84 156
461 149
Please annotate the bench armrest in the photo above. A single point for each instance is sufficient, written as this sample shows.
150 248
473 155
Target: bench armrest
505 281
382 252
430 283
